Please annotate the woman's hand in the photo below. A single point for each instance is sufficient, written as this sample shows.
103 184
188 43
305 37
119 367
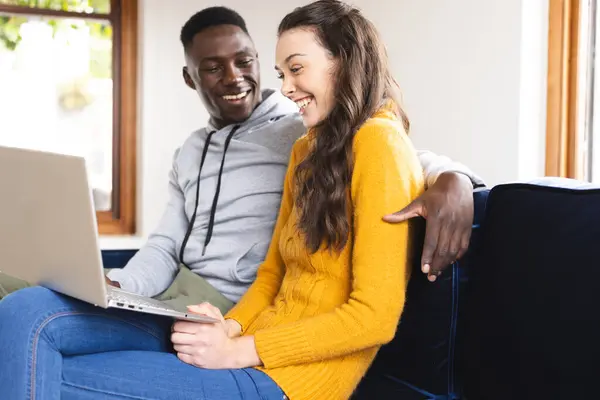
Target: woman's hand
213 346
233 328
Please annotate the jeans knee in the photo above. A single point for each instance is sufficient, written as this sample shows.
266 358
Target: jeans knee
30 302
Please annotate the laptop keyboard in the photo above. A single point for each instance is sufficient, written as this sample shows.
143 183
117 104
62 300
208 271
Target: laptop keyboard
127 298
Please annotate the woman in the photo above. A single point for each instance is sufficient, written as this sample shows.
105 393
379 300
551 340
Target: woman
332 287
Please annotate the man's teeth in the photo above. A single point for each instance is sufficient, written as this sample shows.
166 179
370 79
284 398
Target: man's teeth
235 96
304 102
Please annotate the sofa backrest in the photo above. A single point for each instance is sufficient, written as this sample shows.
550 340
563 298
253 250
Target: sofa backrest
532 325
421 361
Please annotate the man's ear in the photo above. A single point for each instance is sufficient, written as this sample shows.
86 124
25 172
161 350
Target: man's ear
188 79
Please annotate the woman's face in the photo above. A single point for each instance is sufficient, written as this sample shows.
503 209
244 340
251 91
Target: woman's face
306 71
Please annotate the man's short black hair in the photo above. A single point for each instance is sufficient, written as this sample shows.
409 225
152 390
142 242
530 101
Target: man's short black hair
211 16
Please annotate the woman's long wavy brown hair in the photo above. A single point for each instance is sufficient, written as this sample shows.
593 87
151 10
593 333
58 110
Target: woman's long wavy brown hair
363 83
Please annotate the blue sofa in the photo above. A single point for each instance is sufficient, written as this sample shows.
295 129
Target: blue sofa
515 318
422 360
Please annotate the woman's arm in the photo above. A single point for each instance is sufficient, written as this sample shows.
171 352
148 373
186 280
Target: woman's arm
270 274
386 174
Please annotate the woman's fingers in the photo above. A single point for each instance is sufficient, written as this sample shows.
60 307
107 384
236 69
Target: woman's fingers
206 309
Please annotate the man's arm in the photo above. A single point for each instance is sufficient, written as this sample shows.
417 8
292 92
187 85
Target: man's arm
447 205
435 165
155 265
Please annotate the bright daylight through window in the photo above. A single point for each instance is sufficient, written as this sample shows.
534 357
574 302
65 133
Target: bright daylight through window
61 69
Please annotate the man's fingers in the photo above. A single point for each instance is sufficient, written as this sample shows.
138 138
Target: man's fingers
465 240
442 256
412 210
111 283
432 231
455 247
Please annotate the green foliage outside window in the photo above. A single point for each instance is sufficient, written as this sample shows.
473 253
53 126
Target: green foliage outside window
101 60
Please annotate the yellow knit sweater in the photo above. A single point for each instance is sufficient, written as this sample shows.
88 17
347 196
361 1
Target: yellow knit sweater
319 319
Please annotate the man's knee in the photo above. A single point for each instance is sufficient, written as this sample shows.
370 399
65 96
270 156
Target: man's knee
30 301
8 285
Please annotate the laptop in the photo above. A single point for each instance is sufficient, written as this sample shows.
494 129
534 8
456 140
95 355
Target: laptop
49 236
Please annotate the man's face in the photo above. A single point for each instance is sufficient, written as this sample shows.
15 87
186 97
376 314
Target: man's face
222 66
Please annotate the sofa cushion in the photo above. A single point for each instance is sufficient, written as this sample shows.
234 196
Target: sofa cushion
420 361
532 323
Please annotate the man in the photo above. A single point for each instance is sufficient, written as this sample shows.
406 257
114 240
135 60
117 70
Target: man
226 182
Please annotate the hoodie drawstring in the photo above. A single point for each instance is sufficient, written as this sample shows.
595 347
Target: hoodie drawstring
215 199
213 209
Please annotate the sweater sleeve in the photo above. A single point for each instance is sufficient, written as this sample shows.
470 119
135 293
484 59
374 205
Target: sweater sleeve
434 165
270 274
154 267
383 157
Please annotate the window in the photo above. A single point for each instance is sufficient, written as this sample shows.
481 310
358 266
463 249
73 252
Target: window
68 77
573 117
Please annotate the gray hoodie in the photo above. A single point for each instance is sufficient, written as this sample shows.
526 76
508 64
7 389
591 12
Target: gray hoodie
249 196
247 207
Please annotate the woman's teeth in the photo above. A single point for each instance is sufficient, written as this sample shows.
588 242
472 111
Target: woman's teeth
303 103
232 97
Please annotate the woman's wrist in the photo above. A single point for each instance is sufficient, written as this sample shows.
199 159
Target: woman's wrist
234 329
245 354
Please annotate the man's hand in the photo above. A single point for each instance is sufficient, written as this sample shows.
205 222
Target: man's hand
112 283
448 208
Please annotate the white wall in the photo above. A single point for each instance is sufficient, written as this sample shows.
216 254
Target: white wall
534 81
473 82
473 77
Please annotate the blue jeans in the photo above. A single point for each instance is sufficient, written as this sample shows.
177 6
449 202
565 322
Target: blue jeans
55 347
